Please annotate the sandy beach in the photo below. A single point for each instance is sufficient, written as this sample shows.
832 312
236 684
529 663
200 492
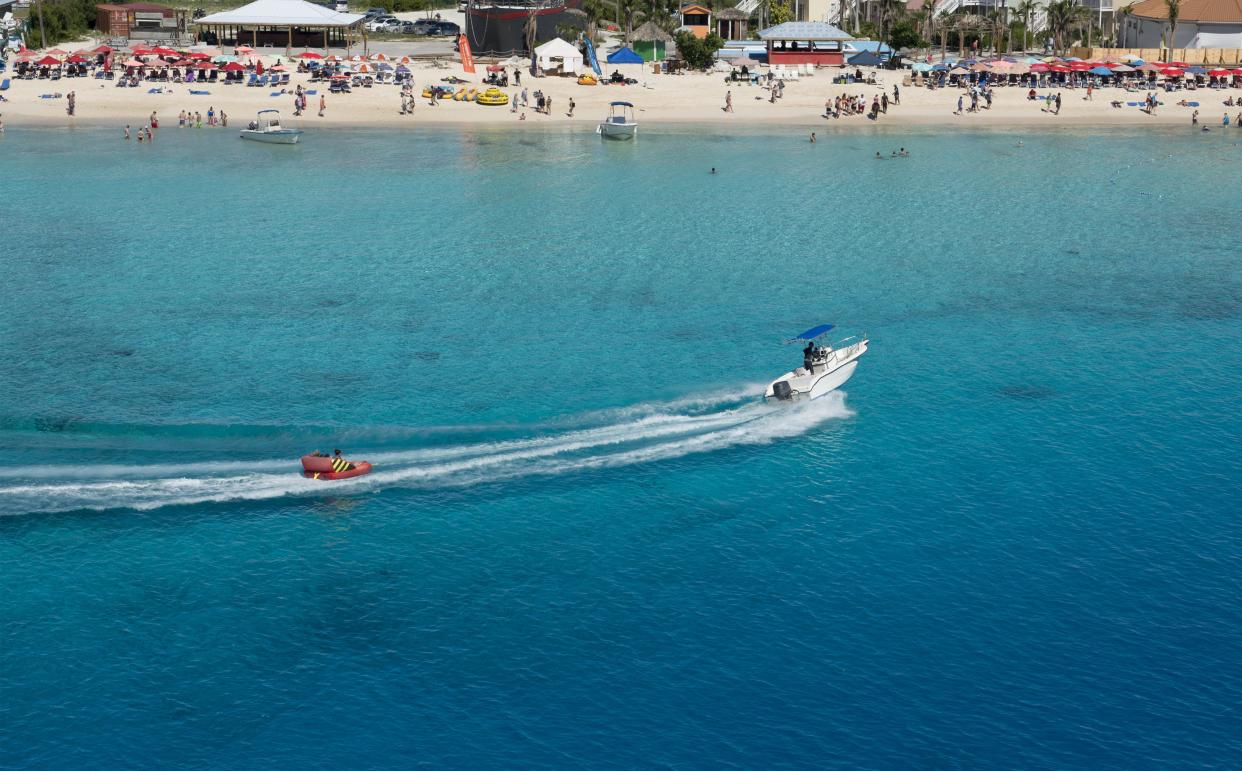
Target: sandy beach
694 98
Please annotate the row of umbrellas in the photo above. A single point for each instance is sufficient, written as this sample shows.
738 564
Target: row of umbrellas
1052 64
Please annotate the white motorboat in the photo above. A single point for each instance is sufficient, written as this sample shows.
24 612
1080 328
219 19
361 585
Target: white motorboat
266 128
825 368
620 123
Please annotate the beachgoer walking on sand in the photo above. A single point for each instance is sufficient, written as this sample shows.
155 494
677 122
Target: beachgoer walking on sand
224 119
1194 118
323 104
571 108
728 101
1090 88
181 119
548 107
211 116
958 111
155 122
517 76
1058 112
896 95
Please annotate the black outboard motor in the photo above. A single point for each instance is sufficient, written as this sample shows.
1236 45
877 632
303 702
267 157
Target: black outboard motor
782 391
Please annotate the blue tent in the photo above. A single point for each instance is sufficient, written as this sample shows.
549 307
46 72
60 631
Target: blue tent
624 55
866 59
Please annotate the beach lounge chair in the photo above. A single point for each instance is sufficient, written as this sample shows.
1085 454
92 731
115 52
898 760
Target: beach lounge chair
4 84
253 79
199 93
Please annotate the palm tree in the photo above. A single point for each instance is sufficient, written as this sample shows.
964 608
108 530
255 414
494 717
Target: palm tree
1124 17
1063 17
1175 10
1026 9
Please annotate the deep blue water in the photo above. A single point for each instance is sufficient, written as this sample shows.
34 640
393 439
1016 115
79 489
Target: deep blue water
1012 541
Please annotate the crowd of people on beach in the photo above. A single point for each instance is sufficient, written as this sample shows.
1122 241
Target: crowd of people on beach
846 105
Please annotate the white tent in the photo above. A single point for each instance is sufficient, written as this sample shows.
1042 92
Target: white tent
281 13
556 53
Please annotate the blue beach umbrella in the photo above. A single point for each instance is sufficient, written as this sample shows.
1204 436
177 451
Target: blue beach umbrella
940 67
1102 71
1196 70
921 67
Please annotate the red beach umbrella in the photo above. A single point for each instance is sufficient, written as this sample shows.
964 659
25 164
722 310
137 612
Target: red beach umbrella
309 55
204 66
1059 68
1080 66
55 52
162 51
48 61
1171 72
141 50
233 67
1183 65
1237 72
102 50
1040 67
76 59
1218 73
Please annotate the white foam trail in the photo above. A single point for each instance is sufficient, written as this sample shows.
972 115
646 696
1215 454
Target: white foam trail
654 437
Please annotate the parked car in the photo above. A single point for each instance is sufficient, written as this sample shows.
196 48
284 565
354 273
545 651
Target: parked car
374 13
384 24
445 28
423 26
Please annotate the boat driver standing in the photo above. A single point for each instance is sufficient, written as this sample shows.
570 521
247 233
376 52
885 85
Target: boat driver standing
808 356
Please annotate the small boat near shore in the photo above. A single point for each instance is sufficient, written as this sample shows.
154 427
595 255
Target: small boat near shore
824 369
266 128
326 467
620 123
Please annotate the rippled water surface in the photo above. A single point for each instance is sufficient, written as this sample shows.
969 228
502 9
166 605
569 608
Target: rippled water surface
1011 541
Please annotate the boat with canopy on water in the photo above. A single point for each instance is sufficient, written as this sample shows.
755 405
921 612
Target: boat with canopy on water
620 123
825 368
266 128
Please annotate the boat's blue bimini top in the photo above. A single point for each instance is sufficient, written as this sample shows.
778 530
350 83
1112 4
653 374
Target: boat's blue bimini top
813 333
620 104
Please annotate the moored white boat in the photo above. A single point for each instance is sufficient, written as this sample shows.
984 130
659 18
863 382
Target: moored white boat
825 368
620 123
266 128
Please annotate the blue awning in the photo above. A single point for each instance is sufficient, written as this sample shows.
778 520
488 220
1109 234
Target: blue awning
624 56
814 332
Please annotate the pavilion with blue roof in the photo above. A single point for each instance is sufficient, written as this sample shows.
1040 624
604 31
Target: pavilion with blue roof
805 42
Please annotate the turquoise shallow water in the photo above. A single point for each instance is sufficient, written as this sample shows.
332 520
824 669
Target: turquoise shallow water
1011 541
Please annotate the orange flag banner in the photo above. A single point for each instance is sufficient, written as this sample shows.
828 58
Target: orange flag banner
467 60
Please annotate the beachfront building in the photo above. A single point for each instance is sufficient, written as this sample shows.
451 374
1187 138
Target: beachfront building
283 24
139 21
805 42
732 24
1200 24
696 19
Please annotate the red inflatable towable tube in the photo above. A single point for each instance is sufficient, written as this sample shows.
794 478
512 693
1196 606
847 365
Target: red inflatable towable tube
319 467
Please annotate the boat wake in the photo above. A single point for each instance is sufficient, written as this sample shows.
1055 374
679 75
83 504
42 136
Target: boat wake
645 433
